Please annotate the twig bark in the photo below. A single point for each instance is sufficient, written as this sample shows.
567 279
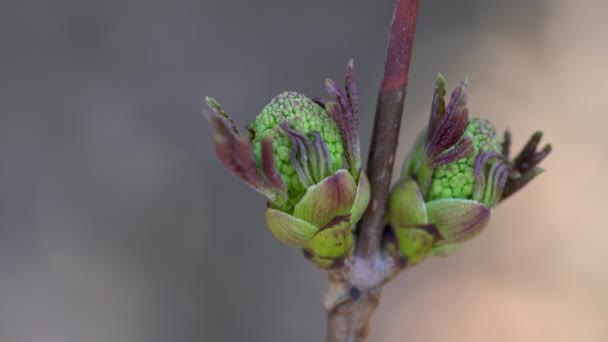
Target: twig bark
355 290
387 122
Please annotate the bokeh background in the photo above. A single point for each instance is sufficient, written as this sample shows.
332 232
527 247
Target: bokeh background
117 223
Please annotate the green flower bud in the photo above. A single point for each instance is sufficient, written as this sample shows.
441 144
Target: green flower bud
457 179
322 221
457 171
303 156
303 116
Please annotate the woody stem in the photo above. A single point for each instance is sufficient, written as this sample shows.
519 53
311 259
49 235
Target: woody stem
359 285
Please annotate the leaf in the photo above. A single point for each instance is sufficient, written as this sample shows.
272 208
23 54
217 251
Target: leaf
289 229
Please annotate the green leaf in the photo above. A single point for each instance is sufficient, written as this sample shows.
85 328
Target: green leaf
289 229
406 205
333 196
457 220
414 243
361 199
412 161
332 242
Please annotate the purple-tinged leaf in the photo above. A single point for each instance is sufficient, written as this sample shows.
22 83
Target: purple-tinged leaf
251 174
334 89
234 150
458 100
513 185
349 135
498 183
457 220
225 151
463 149
269 167
528 158
489 186
506 144
438 105
525 165
351 92
325 160
345 113
479 170
452 125
299 154
222 123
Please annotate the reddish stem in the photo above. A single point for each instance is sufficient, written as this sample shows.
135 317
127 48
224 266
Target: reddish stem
387 122
355 289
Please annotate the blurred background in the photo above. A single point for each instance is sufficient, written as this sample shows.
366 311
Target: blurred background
117 223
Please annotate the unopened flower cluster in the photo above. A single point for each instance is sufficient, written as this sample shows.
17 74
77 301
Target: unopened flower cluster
304 156
456 173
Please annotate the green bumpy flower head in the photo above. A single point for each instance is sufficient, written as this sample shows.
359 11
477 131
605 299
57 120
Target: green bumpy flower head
457 171
304 157
457 179
304 116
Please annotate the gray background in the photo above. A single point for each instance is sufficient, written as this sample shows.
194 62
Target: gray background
118 224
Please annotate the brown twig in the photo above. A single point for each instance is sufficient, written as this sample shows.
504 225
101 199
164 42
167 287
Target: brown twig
355 290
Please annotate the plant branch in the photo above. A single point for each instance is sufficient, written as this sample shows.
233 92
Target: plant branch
355 289
387 122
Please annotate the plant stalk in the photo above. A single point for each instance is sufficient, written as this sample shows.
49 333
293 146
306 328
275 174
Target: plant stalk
355 290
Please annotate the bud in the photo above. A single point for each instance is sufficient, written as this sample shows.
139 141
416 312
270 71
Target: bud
457 171
303 155
293 120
